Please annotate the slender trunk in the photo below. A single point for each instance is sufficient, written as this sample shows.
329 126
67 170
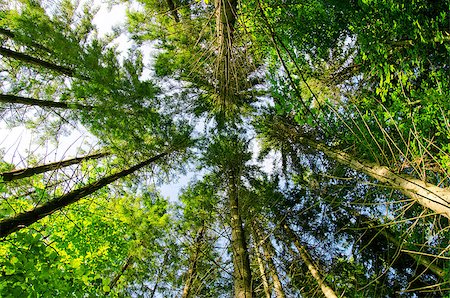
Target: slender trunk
36 61
193 262
269 253
22 220
428 195
241 261
28 172
116 278
384 231
225 21
173 10
8 98
262 270
326 290
12 35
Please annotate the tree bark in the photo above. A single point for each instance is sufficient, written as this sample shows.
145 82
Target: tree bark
116 278
241 261
13 99
22 220
384 231
28 172
269 253
262 270
193 262
428 195
35 61
173 10
315 272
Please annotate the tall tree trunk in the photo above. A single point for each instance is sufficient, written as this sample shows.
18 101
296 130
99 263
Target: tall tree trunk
241 261
28 172
269 253
426 194
173 10
22 220
384 231
13 99
225 22
116 278
315 272
262 269
193 262
35 61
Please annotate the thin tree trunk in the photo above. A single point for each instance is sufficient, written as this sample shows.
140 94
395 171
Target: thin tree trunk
13 99
428 195
127 264
22 220
315 272
269 253
173 10
192 271
12 35
384 231
28 172
241 261
32 60
262 270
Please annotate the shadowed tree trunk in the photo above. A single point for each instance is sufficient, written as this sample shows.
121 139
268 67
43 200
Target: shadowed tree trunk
315 272
13 99
192 271
38 62
28 172
116 278
423 260
22 220
173 10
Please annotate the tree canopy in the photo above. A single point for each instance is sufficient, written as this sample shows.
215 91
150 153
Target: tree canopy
317 134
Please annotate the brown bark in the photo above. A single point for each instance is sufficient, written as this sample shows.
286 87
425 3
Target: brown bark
116 278
313 269
28 172
173 10
13 99
428 195
193 262
22 220
241 261
38 62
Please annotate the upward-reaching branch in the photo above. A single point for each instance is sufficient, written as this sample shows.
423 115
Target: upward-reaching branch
38 62
22 220
14 99
28 172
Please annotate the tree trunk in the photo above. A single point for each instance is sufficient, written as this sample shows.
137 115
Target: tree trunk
13 99
262 268
384 231
173 10
225 21
12 35
127 264
326 290
241 261
28 172
193 262
35 61
428 195
269 253
22 220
